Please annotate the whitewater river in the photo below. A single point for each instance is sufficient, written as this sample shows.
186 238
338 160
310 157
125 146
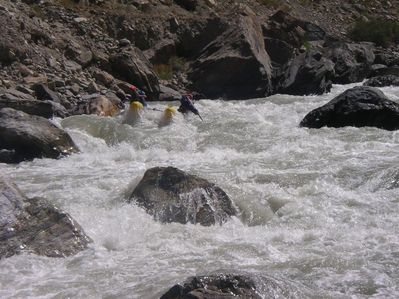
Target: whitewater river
319 208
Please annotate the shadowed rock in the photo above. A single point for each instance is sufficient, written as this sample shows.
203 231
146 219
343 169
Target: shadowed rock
35 225
352 61
307 73
32 136
171 195
235 65
359 107
381 81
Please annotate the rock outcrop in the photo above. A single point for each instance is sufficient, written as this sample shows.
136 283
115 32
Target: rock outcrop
352 62
34 225
132 66
359 107
307 73
30 137
381 81
171 195
235 65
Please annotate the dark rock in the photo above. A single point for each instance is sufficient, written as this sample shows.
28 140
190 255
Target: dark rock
295 32
187 4
235 65
359 107
124 42
171 195
307 73
194 36
11 98
215 286
393 70
33 136
25 90
132 66
352 61
35 225
43 93
381 81
387 58
238 285
280 52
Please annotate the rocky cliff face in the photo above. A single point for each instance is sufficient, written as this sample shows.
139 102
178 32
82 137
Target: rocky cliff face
68 52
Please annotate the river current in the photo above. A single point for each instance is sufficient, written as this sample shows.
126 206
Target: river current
318 207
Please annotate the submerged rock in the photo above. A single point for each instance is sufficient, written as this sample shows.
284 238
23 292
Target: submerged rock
237 285
214 286
171 195
360 106
35 225
32 136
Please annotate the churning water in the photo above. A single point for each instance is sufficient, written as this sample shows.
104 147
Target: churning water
319 208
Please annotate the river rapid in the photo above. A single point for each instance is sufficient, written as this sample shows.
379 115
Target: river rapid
318 207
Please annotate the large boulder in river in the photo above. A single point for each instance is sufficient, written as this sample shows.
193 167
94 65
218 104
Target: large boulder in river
35 225
381 81
30 137
307 73
132 66
235 65
172 195
360 106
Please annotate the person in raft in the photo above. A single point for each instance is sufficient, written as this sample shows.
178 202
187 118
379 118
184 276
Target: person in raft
138 95
187 105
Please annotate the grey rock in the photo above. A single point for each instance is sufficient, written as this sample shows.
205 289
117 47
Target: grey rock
33 136
171 195
132 66
307 73
235 65
34 225
381 81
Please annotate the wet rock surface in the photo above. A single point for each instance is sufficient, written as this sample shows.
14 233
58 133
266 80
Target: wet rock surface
171 195
32 136
35 225
237 285
359 107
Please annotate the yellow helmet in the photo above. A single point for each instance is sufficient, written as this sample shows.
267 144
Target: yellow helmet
136 106
170 112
